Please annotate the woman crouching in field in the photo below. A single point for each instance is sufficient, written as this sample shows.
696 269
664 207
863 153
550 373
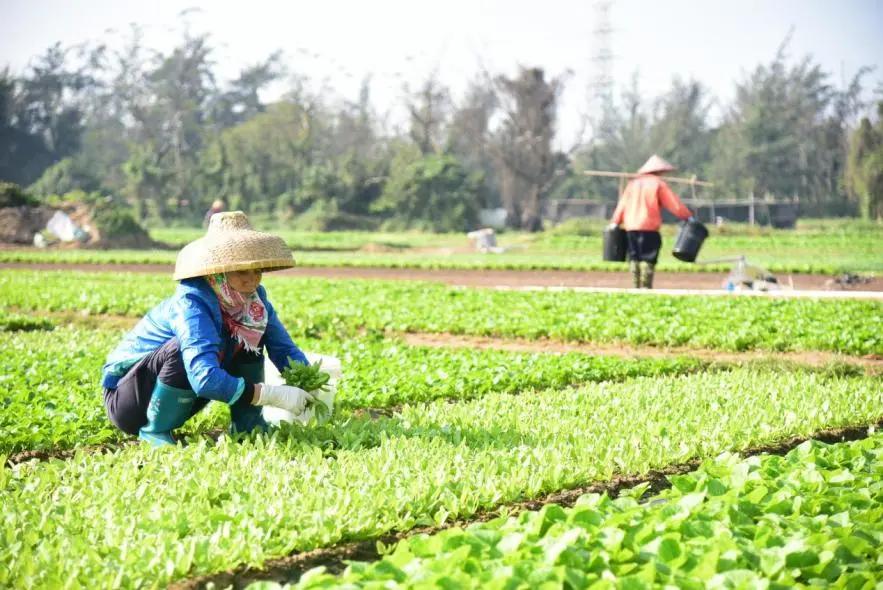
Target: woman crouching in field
206 341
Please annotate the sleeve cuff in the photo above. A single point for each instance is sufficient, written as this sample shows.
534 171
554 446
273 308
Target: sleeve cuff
244 394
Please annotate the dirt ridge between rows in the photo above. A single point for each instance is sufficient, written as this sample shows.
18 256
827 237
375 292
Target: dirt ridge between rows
108 447
290 568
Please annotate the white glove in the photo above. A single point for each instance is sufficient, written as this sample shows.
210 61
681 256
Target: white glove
293 399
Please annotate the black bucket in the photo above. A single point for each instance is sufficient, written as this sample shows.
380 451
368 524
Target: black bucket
615 244
689 241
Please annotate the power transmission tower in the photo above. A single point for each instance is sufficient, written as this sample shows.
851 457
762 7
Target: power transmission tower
601 86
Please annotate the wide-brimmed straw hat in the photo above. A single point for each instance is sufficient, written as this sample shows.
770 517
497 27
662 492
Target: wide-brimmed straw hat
231 244
655 164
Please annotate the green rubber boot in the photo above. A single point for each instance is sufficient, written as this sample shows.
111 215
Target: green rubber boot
635 268
168 409
246 417
647 269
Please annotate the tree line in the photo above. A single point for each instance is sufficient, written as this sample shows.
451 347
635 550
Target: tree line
163 136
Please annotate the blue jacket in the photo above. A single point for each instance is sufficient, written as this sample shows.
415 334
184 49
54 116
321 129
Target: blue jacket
193 316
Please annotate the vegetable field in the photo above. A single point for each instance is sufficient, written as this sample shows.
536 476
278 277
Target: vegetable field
453 461
824 248
810 518
341 308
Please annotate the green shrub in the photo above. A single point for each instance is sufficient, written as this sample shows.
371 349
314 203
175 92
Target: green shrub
432 193
114 222
65 176
12 195
326 216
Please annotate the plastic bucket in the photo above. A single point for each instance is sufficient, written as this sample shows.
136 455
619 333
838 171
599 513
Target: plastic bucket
615 244
689 241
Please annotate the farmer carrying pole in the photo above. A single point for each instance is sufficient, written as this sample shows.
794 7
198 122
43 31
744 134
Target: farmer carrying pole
638 211
206 342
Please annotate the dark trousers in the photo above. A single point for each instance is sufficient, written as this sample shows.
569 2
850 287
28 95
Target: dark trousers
127 404
644 246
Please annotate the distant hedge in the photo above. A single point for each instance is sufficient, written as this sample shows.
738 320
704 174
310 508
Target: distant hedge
12 195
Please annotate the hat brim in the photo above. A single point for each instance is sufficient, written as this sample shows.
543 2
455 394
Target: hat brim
656 170
231 251
656 165
262 265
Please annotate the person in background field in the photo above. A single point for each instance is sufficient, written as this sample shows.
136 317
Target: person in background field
638 211
206 342
217 207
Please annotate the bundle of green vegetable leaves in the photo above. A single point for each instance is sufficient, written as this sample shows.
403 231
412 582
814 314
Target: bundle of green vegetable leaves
309 378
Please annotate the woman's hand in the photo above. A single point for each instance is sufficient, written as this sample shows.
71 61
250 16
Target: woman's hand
293 399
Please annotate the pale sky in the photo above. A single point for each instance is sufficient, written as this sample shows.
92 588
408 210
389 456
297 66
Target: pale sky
402 40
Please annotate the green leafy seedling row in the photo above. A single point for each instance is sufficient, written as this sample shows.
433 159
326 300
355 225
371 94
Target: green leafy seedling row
387 373
315 307
50 393
51 396
827 250
16 322
208 507
811 518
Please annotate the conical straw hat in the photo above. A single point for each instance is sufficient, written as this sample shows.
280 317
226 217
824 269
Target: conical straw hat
655 164
231 244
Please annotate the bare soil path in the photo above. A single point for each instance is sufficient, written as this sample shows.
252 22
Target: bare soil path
484 277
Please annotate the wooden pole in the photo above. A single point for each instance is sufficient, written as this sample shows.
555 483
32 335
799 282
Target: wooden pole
692 180
751 210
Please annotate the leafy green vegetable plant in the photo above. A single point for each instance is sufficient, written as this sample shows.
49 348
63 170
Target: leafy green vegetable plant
52 396
828 249
811 518
344 308
16 322
204 508
309 378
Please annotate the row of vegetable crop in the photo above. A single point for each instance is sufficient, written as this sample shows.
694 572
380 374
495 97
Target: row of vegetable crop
564 253
17 322
853 245
52 398
811 518
313 307
210 506
324 240
400 259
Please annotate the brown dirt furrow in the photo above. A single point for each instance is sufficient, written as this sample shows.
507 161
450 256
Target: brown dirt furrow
483 277
85 320
290 568
872 363
65 454
107 447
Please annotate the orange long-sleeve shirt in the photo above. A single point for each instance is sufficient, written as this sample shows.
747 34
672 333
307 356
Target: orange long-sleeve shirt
638 207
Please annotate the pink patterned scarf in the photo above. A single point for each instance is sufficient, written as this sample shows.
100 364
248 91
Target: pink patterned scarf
244 315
